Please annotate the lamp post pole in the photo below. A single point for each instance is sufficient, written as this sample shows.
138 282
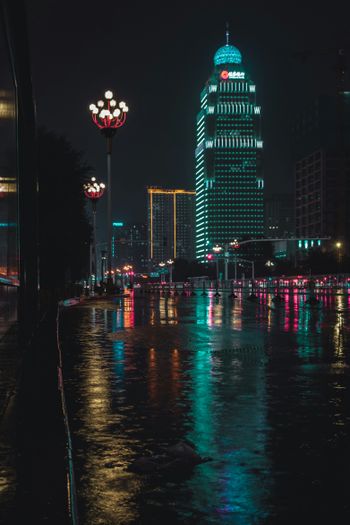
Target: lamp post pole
93 191
170 263
339 246
217 249
161 266
108 117
226 262
109 133
103 261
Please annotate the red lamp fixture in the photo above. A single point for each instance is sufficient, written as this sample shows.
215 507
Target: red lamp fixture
235 244
94 190
224 75
108 114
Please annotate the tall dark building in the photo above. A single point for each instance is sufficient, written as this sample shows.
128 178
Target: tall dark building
18 174
279 223
129 245
170 224
322 172
229 184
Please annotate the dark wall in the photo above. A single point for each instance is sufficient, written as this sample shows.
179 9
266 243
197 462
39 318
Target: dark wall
14 25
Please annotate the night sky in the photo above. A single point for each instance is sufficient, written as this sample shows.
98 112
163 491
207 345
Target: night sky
157 59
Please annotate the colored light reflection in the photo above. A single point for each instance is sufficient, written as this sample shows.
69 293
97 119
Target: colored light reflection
152 382
287 323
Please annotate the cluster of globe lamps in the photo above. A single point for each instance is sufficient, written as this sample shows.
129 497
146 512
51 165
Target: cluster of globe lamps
108 114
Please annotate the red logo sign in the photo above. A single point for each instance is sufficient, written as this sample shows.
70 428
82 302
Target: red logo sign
224 75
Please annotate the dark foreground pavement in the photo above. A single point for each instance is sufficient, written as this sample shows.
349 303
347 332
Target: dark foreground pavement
33 474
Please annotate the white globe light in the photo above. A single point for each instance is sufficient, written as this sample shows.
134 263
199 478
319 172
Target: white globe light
116 112
102 185
121 104
108 95
102 114
92 107
113 103
125 109
93 179
95 111
100 103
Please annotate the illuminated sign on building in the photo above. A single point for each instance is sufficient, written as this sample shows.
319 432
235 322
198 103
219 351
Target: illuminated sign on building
225 75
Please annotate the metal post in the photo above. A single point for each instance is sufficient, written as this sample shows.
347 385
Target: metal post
91 263
170 273
217 271
109 210
94 240
253 272
226 263
235 268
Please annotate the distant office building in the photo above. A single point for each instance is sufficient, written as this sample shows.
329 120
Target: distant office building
279 223
170 224
322 172
129 245
229 183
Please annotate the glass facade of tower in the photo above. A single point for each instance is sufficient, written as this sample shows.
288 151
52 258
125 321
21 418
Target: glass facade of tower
229 186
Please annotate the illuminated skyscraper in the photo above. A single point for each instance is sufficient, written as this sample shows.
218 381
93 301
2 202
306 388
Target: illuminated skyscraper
229 186
170 224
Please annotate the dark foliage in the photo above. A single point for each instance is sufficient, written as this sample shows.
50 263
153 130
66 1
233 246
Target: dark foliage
320 263
184 269
64 230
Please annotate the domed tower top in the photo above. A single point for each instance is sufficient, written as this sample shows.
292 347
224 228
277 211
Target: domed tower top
227 54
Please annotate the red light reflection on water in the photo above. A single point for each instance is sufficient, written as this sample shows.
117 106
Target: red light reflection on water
295 310
287 312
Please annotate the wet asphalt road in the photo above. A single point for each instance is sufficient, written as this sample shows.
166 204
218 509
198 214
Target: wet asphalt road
262 390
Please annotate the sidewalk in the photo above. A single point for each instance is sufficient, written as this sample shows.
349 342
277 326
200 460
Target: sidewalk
33 482
10 363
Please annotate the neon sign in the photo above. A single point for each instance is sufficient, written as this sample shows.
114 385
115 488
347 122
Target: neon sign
224 75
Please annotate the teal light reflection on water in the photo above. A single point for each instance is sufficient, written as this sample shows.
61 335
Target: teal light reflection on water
225 486
202 399
118 346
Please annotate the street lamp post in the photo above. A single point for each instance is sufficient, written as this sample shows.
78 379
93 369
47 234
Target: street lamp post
103 262
161 266
226 254
235 245
217 249
339 246
170 264
108 116
94 190
128 280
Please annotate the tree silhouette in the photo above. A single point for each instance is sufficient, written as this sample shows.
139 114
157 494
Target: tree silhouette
64 230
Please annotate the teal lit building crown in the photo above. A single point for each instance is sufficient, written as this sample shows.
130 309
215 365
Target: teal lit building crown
227 55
